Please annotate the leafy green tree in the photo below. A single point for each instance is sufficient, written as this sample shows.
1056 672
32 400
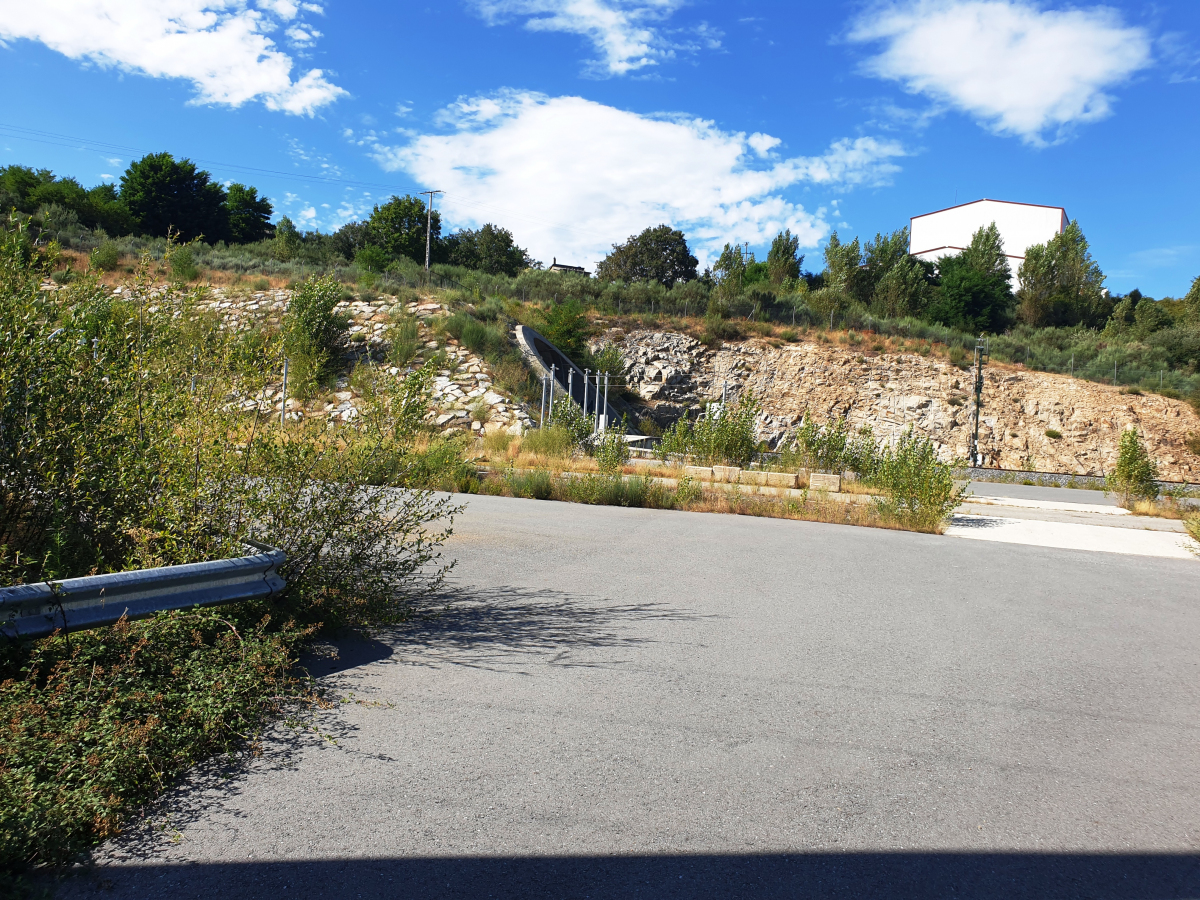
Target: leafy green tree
730 272
974 291
399 225
287 240
248 215
783 263
490 249
163 193
879 257
968 299
657 254
350 238
1191 303
903 290
109 210
1060 283
985 254
842 262
565 326
19 184
1135 476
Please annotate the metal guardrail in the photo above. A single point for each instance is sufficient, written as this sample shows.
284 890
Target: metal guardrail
75 604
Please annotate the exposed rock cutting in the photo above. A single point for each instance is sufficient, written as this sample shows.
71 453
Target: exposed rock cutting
674 374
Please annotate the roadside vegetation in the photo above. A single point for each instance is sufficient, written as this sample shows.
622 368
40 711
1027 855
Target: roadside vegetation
125 447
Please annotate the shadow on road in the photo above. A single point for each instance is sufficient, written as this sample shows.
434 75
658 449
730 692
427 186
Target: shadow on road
856 875
482 627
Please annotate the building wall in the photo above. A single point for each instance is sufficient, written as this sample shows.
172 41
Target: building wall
948 231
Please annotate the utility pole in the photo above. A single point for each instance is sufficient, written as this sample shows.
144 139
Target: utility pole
982 347
429 225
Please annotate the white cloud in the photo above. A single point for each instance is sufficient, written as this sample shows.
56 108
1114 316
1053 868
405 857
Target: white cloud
622 31
1020 68
220 46
570 177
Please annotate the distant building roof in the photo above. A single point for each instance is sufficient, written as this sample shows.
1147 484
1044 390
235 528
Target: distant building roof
556 266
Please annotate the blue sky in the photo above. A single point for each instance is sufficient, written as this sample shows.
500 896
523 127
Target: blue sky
578 122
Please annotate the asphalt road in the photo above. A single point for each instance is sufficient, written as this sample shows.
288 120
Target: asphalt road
626 703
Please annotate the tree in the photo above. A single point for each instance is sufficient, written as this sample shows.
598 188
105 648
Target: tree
109 210
350 238
985 254
287 240
968 299
730 272
247 214
975 290
879 257
1060 283
398 226
1135 476
904 289
491 249
1191 303
565 326
842 262
657 254
163 194
783 265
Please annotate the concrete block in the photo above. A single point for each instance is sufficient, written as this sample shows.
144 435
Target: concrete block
699 473
726 473
820 482
781 479
751 477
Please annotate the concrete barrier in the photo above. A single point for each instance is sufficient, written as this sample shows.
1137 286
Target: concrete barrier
699 473
820 482
782 479
726 473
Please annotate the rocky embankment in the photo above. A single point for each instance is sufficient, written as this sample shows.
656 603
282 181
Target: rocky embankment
1022 413
464 397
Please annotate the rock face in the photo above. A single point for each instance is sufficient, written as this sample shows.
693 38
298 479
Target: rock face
888 392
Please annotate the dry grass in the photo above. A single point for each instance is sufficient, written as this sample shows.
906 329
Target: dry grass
1160 509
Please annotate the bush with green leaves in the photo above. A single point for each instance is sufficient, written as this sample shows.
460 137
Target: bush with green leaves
106 257
611 451
1135 476
567 414
110 462
721 435
834 447
182 262
314 336
920 491
553 440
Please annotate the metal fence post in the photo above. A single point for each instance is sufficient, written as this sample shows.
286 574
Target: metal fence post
605 403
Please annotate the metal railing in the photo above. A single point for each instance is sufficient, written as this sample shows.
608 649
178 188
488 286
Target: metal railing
75 604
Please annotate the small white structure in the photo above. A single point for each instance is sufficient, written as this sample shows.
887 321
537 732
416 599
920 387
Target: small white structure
947 232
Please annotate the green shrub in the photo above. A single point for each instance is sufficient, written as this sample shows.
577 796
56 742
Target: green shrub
553 440
403 338
1135 476
566 414
835 448
1054 434
182 262
1193 442
919 490
611 451
718 436
313 334
260 284
106 257
372 259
